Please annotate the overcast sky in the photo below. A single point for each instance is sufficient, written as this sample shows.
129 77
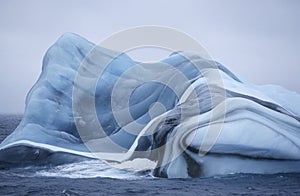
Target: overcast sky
257 39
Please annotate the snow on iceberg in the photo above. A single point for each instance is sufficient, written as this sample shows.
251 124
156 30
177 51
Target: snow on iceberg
200 122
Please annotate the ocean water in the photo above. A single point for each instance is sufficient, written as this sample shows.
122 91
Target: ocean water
96 178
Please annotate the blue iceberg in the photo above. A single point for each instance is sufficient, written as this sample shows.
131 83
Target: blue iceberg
187 115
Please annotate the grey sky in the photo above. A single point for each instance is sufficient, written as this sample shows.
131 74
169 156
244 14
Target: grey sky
257 39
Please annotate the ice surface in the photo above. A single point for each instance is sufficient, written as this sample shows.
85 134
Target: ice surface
259 126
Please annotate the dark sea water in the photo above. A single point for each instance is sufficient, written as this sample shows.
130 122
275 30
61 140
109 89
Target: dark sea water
40 181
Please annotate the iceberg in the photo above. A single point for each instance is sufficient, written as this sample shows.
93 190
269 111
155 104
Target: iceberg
189 116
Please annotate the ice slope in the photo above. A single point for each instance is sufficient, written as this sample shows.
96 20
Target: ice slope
255 129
